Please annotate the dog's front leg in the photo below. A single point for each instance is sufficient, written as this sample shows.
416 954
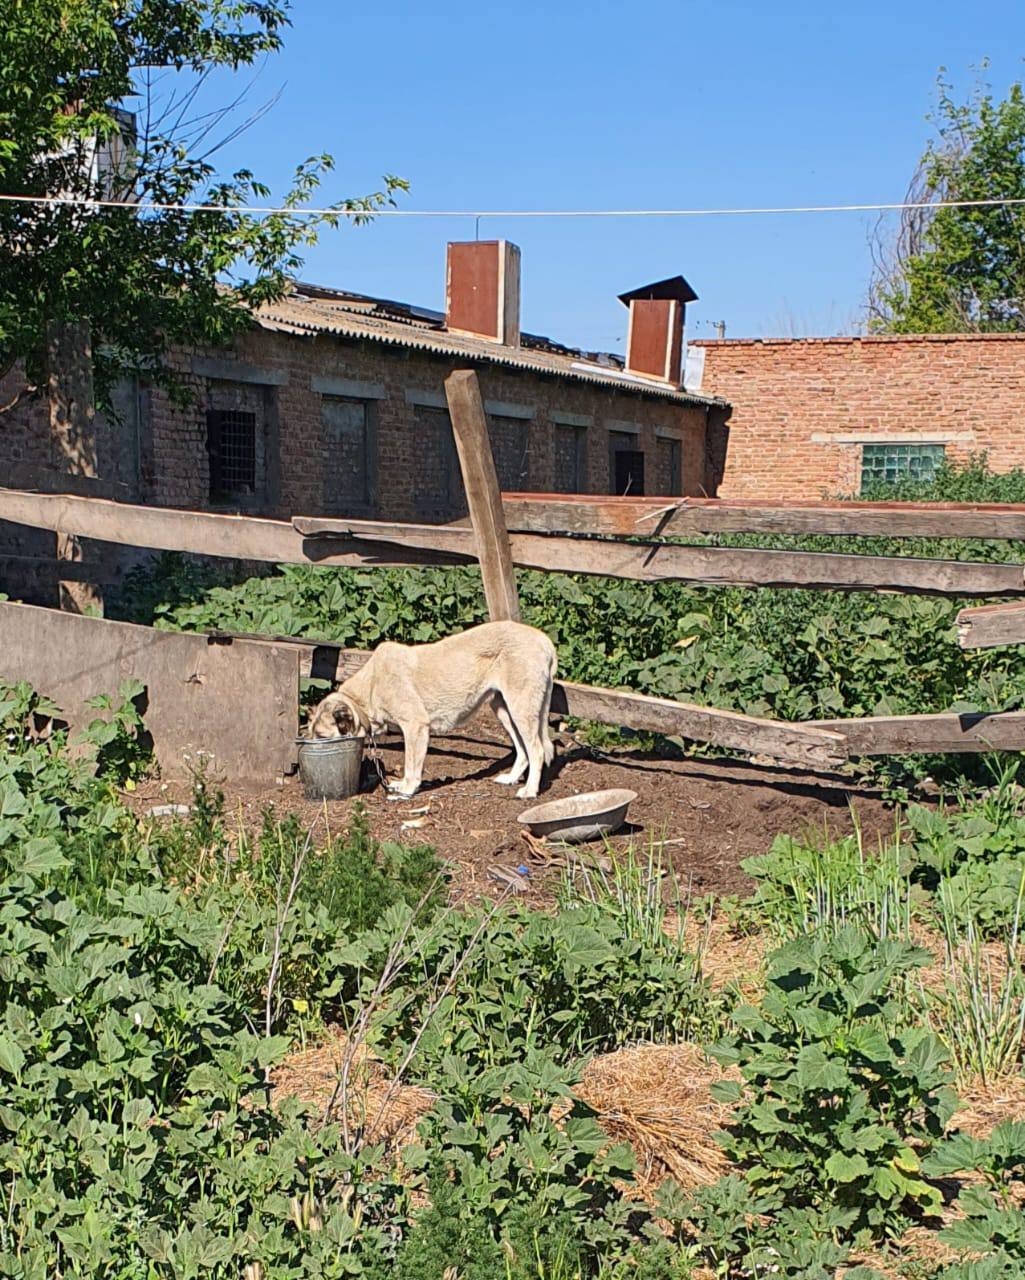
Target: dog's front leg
415 738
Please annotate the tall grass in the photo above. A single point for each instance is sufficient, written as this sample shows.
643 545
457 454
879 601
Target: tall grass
980 1009
821 885
639 889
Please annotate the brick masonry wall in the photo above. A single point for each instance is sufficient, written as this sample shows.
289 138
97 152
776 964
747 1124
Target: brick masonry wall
792 398
157 451
405 427
25 436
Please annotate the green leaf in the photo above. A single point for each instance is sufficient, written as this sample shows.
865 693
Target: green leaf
816 1071
844 1168
12 1058
38 857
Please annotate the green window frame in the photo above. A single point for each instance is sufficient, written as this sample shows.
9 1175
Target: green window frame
888 463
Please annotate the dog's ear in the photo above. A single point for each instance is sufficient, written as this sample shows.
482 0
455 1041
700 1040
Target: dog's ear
358 717
338 716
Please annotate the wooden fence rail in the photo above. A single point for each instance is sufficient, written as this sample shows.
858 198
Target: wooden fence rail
665 517
309 540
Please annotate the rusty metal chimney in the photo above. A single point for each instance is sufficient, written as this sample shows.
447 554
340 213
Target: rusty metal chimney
654 344
482 290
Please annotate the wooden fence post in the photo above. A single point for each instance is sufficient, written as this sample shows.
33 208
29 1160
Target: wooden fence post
477 462
73 440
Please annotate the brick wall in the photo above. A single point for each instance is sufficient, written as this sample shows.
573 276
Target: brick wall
320 402
413 472
803 408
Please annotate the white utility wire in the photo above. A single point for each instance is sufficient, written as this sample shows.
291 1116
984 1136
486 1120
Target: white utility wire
301 212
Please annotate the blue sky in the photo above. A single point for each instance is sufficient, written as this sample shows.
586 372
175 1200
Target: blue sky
653 104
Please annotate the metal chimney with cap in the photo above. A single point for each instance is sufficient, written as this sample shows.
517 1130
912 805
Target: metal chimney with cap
482 291
654 344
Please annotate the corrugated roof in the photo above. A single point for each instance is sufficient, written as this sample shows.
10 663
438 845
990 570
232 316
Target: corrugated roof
310 309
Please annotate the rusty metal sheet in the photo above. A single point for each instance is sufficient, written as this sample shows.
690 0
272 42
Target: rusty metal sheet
233 701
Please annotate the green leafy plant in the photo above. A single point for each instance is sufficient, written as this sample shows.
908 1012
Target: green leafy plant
123 749
517 1139
840 1098
573 981
992 1227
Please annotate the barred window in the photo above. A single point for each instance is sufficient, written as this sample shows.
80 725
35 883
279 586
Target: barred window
231 443
888 463
629 472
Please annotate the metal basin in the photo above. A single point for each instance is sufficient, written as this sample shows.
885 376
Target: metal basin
330 767
577 818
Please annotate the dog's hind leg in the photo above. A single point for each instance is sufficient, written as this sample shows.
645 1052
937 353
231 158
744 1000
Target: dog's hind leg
415 738
519 765
525 708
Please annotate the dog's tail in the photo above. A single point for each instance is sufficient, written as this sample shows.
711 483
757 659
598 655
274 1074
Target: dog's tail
546 707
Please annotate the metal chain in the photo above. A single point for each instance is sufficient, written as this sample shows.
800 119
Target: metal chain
375 759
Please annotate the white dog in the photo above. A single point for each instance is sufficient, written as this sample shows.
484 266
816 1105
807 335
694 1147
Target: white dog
433 688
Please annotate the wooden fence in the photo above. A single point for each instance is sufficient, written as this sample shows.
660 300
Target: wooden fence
620 538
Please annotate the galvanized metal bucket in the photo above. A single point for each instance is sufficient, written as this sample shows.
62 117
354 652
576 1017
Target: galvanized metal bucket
330 767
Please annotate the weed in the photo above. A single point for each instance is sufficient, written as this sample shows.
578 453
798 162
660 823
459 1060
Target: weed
812 885
841 1100
980 1009
123 749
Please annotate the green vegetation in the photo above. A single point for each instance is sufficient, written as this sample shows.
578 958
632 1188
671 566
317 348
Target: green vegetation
141 285
152 972
956 270
842 1096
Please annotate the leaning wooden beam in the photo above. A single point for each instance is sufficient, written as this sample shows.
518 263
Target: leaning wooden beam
483 497
722 566
649 517
950 731
991 625
352 543
796 743
198 532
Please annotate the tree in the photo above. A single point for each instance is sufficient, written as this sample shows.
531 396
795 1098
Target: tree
960 270
141 280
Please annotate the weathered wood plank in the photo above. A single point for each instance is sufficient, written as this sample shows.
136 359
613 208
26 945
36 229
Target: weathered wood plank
797 743
724 566
483 497
198 532
348 542
53 570
987 626
649 517
24 475
946 732
198 691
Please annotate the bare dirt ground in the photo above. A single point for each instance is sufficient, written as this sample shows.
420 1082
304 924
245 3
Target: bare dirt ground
711 813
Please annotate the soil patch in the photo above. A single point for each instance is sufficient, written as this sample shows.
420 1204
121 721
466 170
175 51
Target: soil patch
711 813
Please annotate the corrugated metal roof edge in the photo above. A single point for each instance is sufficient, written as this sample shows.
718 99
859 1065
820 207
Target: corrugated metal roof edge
289 324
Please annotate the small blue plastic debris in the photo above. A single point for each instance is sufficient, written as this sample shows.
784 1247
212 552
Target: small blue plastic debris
522 870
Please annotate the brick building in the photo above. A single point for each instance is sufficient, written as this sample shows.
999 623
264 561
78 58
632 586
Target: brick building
333 403
823 416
